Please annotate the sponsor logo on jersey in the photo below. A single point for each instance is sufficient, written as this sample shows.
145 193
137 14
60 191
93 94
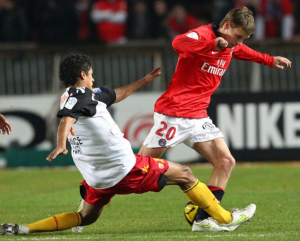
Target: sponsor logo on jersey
206 67
221 62
76 150
70 103
162 142
75 143
214 52
97 90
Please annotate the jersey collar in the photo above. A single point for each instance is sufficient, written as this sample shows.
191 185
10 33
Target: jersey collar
215 27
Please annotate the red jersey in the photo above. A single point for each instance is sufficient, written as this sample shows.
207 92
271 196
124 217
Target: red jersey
110 18
199 71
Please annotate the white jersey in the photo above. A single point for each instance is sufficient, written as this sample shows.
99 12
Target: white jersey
100 152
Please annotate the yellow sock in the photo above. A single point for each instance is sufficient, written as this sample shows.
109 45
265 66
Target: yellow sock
200 195
56 223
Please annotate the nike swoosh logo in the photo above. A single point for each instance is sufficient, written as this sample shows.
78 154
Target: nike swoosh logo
239 221
214 52
204 226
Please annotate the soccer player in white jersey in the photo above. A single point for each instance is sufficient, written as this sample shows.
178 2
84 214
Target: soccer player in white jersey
5 127
105 158
180 114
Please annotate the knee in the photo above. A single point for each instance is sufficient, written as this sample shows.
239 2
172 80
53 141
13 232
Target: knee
180 175
227 162
187 174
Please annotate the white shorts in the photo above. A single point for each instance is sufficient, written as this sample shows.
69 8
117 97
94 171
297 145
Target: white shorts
169 131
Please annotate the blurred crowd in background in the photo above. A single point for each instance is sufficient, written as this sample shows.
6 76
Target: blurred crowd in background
107 21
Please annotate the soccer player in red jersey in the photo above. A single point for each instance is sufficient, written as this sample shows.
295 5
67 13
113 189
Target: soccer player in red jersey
180 112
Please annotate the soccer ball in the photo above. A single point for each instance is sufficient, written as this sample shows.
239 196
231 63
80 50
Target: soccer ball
190 211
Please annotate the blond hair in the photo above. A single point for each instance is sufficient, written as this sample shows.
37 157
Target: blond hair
240 17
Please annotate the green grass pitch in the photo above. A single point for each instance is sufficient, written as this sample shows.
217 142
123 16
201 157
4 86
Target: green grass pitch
28 195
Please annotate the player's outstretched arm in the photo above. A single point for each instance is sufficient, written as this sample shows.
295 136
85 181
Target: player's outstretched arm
281 63
62 134
125 91
5 127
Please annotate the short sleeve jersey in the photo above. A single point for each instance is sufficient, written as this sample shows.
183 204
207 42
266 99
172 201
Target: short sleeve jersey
99 150
199 71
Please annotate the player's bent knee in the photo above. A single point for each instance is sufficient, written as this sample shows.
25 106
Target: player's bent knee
186 170
231 161
227 162
188 174
179 175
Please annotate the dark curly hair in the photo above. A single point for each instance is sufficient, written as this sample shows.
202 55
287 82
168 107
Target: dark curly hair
71 66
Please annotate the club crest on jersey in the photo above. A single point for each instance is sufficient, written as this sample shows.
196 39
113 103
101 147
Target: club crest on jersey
162 142
97 90
209 126
161 166
80 89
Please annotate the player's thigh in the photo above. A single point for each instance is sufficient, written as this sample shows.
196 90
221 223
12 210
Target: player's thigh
153 152
213 150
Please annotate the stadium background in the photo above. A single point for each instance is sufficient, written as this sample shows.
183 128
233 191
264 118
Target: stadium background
257 108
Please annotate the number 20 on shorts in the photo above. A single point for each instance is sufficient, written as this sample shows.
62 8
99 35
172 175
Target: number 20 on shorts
170 133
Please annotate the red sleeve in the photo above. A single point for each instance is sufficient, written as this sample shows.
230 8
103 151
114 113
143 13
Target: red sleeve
183 43
245 53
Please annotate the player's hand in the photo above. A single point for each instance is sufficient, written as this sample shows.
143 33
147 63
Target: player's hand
281 63
151 76
56 152
221 43
5 127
